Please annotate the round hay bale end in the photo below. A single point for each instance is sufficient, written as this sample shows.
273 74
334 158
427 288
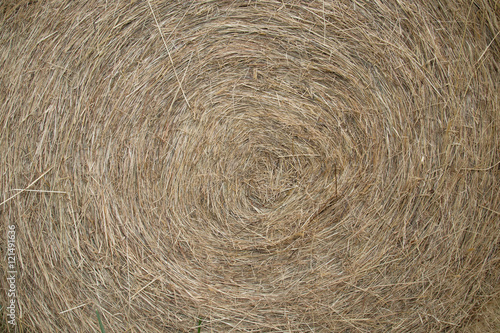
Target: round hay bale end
250 166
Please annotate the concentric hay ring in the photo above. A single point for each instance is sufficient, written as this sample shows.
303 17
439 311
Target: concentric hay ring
326 166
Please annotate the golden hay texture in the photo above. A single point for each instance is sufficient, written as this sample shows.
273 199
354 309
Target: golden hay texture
252 166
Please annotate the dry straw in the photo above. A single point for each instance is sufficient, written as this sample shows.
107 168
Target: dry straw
252 166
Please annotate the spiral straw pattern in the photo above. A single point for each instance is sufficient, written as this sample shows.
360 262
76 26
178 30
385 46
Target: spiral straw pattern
253 166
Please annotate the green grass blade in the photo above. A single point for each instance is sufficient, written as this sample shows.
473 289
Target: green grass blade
199 325
100 321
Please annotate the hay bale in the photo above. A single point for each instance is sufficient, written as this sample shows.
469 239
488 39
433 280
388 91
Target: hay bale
329 166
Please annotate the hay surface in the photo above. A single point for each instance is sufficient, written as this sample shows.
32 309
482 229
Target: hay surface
327 166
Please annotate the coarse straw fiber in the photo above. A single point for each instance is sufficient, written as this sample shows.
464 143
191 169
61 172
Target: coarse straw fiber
251 166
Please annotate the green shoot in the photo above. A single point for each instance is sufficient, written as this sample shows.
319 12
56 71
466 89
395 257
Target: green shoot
100 321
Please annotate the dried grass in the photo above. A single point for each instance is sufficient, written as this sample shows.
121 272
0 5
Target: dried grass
327 166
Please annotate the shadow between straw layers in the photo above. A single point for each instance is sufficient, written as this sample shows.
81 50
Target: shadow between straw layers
328 166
